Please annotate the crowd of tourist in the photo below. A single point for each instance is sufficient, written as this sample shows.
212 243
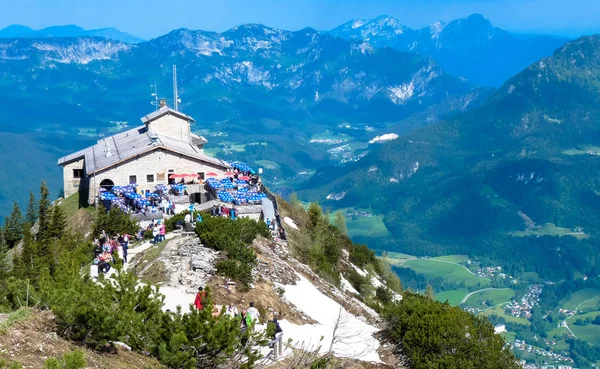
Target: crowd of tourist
108 249
248 317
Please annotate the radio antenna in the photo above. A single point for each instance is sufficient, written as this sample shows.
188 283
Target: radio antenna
155 95
175 95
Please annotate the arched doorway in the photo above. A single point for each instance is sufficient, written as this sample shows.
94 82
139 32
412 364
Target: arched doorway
107 184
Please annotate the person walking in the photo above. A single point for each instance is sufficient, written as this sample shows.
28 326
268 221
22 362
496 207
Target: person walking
253 313
125 246
163 231
200 300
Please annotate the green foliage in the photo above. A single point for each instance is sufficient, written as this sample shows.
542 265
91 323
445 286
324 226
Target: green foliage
340 223
315 216
170 223
13 227
31 213
436 335
361 255
429 292
112 222
13 365
71 360
43 209
233 237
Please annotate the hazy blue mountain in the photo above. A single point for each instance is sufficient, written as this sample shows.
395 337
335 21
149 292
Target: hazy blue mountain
268 89
463 185
469 47
19 31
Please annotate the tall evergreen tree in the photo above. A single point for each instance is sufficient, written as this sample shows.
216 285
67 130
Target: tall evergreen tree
57 224
429 292
315 216
31 213
25 262
340 222
13 227
43 209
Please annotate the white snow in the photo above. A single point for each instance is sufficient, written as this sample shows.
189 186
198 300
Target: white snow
176 296
399 94
289 221
346 286
385 137
360 271
358 23
354 338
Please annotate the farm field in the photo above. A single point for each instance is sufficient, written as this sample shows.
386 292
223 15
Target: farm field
454 297
589 332
499 311
495 296
549 229
363 226
448 271
591 295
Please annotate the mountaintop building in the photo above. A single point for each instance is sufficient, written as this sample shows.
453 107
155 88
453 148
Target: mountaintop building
147 155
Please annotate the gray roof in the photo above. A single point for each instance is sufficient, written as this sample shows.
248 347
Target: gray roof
164 111
113 150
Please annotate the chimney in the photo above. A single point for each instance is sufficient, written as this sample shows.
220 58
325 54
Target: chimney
162 103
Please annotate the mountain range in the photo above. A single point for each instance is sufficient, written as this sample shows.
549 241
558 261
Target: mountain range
470 47
256 92
478 182
20 31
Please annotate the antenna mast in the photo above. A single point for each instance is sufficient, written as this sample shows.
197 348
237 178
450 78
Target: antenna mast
155 94
175 96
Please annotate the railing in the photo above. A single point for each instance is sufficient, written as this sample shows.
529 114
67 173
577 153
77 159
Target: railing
277 344
273 199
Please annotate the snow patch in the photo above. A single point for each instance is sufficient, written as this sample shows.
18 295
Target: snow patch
383 138
289 221
358 23
394 180
336 196
399 94
354 338
346 286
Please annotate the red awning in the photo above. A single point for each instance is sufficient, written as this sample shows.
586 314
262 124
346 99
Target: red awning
211 174
244 178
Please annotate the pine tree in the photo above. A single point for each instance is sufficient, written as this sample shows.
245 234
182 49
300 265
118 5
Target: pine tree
429 292
57 224
340 222
25 263
31 214
13 227
315 216
43 210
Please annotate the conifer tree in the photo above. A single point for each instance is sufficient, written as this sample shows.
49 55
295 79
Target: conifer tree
31 214
315 216
43 208
13 227
340 222
57 224
25 262
429 292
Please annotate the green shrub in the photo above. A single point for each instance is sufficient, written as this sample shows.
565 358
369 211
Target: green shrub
357 281
361 255
437 335
114 221
233 237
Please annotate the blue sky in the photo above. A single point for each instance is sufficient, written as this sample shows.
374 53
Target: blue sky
151 18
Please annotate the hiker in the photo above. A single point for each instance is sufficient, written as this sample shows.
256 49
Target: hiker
156 233
231 311
273 320
268 223
253 312
200 299
244 321
188 218
125 246
199 218
213 211
163 231
233 212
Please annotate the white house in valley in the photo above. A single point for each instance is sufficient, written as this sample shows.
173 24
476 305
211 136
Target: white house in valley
146 155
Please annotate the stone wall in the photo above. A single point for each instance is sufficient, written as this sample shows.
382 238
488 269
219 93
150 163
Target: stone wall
157 163
71 184
172 126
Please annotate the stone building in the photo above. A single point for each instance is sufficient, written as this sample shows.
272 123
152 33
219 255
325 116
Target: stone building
146 155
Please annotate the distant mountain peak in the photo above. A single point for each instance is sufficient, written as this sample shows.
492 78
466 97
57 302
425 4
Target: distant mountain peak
70 30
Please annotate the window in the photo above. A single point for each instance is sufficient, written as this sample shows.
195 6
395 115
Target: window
201 175
169 179
77 173
150 178
132 179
